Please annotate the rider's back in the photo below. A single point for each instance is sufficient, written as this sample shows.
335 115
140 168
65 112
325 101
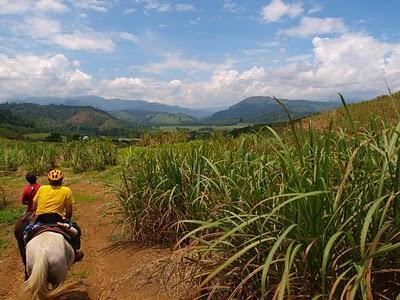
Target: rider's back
53 199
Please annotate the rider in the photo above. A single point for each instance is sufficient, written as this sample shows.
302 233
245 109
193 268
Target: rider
26 199
53 203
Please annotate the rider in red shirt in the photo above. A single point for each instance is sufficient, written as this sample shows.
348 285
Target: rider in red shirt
26 199
30 191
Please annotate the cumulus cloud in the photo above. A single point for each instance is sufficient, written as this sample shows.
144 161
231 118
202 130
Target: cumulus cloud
41 75
13 7
232 6
40 27
90 41
95 5
176 62
23 6
51 31
310 26
278 9
128 11
355 64
129 37
155 5
185 7
315 9
50 5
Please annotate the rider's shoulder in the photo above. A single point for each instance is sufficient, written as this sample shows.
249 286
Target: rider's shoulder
65 188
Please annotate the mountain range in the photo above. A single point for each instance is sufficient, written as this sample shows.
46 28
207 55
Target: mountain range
257 109
116 105
96 115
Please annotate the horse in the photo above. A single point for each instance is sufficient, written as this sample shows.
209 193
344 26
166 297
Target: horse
48 258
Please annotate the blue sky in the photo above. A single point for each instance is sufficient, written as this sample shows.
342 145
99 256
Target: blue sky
199 53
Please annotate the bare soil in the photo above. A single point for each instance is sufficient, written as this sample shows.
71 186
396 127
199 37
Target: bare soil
110 270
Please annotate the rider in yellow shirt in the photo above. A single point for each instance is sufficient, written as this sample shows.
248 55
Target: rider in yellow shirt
54 199
54 203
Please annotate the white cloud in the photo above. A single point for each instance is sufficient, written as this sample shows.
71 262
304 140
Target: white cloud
301 57
28 75
23 6
90 41
50 31
129 37
310 26
175 83
315 9
129 11
176 62
50 5
14 7
155 5
232 7
185 7
255 73
278 9
254 51
96 5
355 64
40 27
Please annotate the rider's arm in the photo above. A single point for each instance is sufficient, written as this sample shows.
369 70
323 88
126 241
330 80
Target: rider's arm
24 197
34 205
68 211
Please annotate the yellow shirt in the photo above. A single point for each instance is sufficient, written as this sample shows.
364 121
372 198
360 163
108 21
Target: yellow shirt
53 199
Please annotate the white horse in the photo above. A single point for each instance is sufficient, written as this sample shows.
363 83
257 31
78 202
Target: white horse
48 258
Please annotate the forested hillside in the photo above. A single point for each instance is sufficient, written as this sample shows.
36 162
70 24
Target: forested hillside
28 117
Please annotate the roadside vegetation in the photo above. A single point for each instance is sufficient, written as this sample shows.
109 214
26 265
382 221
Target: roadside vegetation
300 214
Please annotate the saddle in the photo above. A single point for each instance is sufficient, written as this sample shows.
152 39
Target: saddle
64 229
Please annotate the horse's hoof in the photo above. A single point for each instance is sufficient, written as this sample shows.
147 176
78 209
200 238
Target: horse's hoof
79 255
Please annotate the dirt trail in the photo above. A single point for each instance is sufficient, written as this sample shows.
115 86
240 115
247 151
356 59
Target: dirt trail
108 271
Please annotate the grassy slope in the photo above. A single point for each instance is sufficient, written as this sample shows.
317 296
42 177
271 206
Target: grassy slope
380 108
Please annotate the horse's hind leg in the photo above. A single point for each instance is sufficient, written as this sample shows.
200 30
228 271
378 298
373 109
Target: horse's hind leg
57 274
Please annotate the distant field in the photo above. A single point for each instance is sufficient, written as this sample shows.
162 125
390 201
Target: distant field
207 127
37 136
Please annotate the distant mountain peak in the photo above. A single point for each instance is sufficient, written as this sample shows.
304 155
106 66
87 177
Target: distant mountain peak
262 109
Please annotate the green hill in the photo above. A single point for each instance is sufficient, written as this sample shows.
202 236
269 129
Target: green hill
152 118
265 110
85 120
382 108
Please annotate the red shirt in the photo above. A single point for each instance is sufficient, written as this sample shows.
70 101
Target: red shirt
28 195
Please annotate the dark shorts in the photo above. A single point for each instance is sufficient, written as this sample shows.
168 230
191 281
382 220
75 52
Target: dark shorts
53 218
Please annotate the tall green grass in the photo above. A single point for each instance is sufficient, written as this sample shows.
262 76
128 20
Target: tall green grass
92 154
277 216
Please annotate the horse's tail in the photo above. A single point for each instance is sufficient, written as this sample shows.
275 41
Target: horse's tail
36 286
65 288
37 282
